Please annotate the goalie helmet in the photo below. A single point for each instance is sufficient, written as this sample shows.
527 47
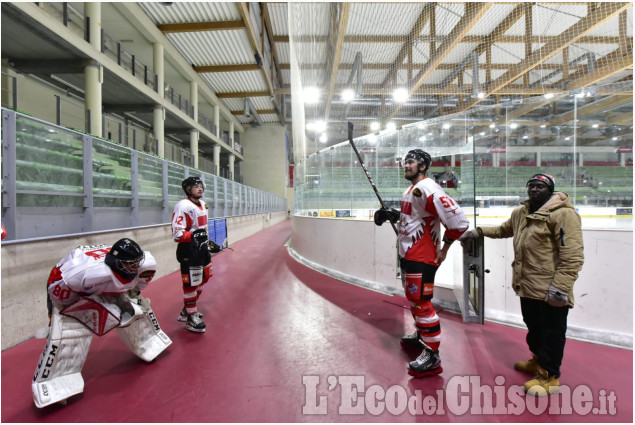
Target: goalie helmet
421 156
190 182
125 258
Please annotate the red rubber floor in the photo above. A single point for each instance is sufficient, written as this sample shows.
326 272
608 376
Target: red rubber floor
285 343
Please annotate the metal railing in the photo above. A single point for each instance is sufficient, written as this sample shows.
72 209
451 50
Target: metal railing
58 181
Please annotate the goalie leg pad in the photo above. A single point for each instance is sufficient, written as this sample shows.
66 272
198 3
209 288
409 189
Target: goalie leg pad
144 337
58 373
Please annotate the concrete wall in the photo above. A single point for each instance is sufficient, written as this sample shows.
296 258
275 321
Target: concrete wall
26 267
265 166
363 254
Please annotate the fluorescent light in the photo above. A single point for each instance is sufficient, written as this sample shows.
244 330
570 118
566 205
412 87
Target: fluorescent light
549 96
374 126
320 126
348 95
543 126
311 95
323 138
492 125
400 95
391 126
595 125
446 125
481 95
513 126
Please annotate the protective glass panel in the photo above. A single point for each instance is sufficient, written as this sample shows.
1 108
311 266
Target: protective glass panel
112 184
176 174
150 181
49 165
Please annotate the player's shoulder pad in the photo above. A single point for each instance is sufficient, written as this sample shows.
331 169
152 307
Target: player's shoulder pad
148 268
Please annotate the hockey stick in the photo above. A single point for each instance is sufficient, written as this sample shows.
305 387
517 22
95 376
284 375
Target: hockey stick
370 179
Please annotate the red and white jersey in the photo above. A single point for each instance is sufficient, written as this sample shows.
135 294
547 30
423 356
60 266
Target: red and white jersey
83 271
424 206
188 217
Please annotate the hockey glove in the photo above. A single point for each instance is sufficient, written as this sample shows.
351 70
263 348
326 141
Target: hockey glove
557 297
213 247
384 214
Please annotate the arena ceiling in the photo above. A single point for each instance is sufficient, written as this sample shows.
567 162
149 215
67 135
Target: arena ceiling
445 57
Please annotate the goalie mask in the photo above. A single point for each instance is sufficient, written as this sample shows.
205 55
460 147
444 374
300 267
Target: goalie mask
125 258
422 157
190 182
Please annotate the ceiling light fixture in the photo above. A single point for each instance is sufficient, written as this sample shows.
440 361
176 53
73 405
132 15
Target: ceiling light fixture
311 95
348 95
400 95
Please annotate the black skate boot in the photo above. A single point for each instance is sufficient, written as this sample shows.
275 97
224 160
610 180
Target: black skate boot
195 324
411 341
183 315
427 364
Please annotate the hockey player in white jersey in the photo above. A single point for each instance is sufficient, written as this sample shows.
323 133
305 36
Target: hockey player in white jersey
189 230
424 207
93 290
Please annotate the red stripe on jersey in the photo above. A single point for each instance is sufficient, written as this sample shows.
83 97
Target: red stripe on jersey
430 208
406 208
56 274
202 220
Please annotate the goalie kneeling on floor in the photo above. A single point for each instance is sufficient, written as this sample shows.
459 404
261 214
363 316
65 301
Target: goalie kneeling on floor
93 290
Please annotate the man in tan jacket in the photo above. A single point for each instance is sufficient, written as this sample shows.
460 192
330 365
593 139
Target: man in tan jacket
548 254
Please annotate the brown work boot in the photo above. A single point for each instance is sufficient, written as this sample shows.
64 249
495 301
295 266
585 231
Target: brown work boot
530 366
542 384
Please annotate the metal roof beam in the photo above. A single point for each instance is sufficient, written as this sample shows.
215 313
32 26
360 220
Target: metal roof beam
504 39
340 20
421 22
233 95
243 8
614 62
605 104
596 17
226 68
201 26
473 13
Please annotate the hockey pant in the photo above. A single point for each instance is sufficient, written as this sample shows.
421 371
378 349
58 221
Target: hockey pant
418 282
196 269
193 278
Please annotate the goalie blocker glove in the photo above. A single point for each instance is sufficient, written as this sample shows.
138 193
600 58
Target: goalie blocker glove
384 214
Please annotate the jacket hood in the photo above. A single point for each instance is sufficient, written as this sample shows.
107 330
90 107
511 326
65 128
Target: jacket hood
558 200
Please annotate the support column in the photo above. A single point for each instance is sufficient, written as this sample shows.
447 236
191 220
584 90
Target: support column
217 160
232 158
581 159
194 99
159 120
158 68
217 119
93 74
194 147
539 158
231 134
92 11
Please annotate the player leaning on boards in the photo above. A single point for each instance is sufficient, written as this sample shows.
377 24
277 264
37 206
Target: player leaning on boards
548 255
424 206
189 229
95 289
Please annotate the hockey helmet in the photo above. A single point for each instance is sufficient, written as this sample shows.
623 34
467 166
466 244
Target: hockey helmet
125 258
421 156
190 182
